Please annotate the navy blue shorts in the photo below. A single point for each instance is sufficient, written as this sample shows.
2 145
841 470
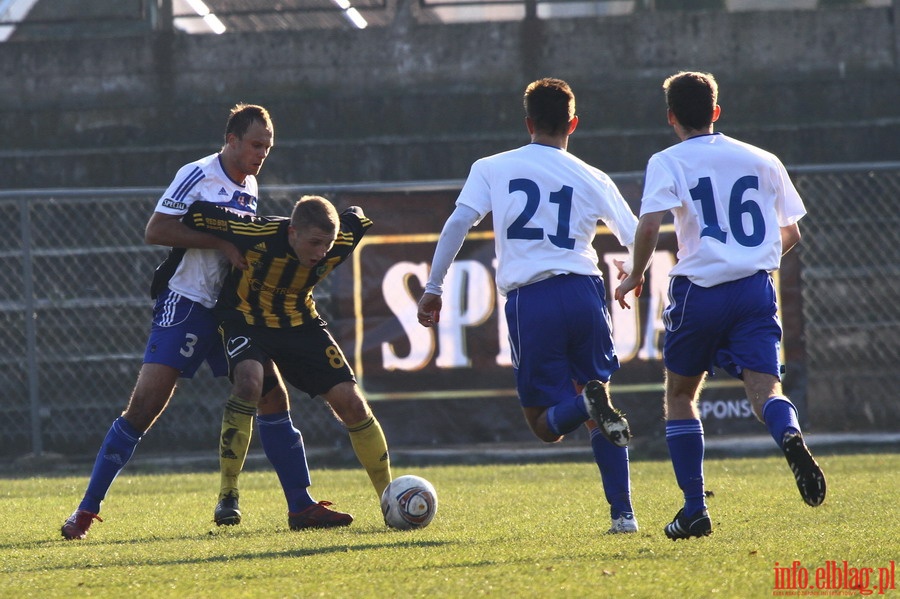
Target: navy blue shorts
559 333
734 326
184 334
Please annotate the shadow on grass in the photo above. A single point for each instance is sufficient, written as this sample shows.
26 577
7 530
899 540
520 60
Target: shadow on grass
148 560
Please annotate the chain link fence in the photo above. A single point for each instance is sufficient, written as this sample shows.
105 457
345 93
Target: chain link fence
850 282
75 313
76 310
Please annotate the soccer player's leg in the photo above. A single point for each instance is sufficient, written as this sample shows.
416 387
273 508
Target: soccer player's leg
169 354
591 353
152 391
302 359
365 432
319 367
684 437
283 445
615 475
692 332
779 415
366 436
538 341
753 354
234 441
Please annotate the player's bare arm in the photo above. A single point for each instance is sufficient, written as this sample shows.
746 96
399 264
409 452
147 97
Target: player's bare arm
790 236
168 230
646 237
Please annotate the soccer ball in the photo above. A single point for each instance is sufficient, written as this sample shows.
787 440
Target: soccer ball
409 502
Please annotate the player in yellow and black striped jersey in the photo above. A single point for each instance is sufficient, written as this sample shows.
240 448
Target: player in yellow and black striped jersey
276 291
268 312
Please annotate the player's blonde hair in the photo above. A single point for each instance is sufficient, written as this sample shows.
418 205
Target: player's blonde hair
315 211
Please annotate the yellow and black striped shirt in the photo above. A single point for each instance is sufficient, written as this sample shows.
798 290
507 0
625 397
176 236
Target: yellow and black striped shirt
276 291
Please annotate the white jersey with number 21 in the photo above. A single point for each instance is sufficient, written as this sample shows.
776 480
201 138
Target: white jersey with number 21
546 204
730 200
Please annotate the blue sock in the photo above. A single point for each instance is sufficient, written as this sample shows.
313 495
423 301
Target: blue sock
116 450
283 445
780 417
614 472
686 448
567 415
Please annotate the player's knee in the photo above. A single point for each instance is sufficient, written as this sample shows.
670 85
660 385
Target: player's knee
547 437
538 425
348 403
247 388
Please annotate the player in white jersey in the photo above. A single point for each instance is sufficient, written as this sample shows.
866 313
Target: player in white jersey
184 330
546 204
197 274
736 214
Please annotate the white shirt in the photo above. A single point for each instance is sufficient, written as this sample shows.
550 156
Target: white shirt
200 274
546 204
730 200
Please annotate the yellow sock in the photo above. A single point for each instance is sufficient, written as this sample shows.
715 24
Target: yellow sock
371 449
237 428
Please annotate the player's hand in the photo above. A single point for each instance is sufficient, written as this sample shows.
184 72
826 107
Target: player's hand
624 267
629 283
429 312
234 255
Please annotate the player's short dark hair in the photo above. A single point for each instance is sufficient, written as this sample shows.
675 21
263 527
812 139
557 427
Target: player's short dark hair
692 98
550 104
242 116
315 211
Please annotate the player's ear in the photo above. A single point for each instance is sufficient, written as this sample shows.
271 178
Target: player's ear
716 112
231 139
573 124
529 124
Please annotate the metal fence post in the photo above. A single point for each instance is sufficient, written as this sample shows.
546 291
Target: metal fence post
30 314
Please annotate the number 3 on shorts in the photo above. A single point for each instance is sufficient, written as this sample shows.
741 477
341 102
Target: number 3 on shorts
190 340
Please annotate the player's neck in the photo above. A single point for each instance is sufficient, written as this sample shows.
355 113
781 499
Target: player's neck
561 142
231 169
685 134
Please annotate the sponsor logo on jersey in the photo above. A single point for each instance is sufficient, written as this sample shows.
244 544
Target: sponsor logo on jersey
222 191
243 201
260 247
174 205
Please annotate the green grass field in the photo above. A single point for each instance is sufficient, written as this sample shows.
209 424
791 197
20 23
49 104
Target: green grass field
531 530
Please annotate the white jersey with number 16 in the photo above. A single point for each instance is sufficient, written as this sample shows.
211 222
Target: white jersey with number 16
730 200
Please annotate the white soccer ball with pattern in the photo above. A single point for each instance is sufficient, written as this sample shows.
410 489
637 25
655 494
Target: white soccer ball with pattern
409 502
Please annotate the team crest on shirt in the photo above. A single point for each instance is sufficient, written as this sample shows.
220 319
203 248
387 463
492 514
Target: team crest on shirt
243 201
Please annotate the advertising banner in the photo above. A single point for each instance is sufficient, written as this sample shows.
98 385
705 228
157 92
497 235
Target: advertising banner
467 357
